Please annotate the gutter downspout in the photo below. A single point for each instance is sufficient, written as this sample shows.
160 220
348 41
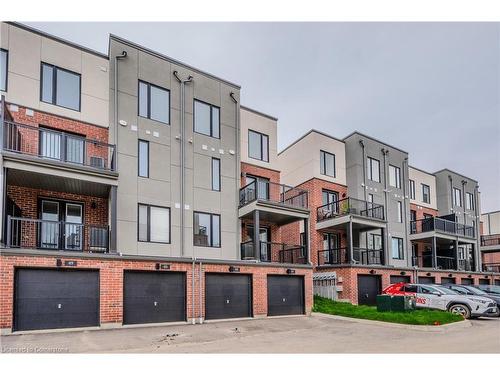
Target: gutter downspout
405 165
237 162
477 228
118 57
362 144
386 210
200 295
193 319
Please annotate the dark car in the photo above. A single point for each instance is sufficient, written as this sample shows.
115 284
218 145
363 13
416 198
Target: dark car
470 290
490 289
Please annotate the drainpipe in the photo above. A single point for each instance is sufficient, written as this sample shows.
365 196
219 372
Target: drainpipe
200 294
386 209
182 154
193 321
451 197
464 182
405 220
237 162
118 57
479 265
362 144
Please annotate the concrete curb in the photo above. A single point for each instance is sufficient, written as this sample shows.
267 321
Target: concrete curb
443 328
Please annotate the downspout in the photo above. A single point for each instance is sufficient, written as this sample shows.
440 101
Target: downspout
200 295
464 182
405 165
386 209
362 144
193 319
118 57
479 262
237 163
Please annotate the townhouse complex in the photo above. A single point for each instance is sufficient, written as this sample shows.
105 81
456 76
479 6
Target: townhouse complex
136 189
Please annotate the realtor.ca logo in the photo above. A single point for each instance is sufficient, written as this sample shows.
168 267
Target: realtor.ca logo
34 349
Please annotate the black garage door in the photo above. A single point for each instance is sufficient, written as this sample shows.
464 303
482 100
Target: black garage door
228 296
426 280
466 281
484 282
154 297
497 282
400 279
46 299
447 280
369 286
285 295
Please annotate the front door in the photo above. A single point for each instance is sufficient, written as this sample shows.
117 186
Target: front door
73 229
265 241
49 232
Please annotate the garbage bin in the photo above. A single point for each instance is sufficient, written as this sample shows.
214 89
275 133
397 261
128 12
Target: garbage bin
383 302
402 303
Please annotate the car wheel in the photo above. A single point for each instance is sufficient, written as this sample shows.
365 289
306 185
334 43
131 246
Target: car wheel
460 309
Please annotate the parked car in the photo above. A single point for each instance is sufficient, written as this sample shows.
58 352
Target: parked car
490 289
440 298
469 290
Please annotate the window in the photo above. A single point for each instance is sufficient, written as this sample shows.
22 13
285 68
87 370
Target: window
206 229
413 215
395 176
370 198
153 224
412 189
143 158
373 169
60 87
426 193
457 197
397 248
258 146
262 185
400 211
329 196
4 66
327 164
469 201
374 241
410 288
215 174
154 102
61 146
206 119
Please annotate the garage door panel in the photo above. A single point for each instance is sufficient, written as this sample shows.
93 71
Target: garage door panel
399 279
285 295
228 296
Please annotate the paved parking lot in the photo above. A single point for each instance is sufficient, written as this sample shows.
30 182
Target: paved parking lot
315 334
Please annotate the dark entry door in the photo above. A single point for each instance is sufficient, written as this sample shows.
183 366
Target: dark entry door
369 286
426 280
228 296
46 299
285 295
399 279
154 297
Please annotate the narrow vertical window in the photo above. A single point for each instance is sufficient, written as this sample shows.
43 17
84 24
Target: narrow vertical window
154 102
373 169
4 66
143 158
216 174
327 163
426 193
206 229
397 248
412 189
258 146
400 211
394 176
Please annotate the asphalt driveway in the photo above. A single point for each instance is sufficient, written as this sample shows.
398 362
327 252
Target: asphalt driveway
315 334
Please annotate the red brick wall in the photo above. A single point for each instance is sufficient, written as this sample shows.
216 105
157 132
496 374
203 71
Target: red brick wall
271 174
111 283
491 257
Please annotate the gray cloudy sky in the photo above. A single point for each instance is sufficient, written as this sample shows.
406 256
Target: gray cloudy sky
430 89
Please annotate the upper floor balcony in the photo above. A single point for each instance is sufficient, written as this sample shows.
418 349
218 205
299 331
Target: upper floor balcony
435 225
274 252
342 256
490 242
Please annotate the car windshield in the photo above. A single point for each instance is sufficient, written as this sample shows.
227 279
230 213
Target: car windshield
477 291
445 290
493 289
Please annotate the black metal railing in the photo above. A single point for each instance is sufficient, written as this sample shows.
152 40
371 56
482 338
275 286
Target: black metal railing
341 256
444 263
491 267
55 145
441 225
273 192
490 240
274 252
29 233
350 206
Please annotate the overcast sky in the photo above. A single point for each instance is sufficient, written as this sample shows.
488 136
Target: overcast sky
430 89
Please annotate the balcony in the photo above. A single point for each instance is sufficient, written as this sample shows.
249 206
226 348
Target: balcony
491 267
54 147
341 256
29 233
274 252
442 226
490 243
443 263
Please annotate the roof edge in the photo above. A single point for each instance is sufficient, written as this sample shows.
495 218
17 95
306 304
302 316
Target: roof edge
306 134
373 139
258 112
460 174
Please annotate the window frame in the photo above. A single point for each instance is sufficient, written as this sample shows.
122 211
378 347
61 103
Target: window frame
148 224
397 176
428 195
455 190
322 162
139 158
369 162
6 69
399 205
469 203
261 136
400 248
148 98
211 229
55 68
211 119
218 173
412 189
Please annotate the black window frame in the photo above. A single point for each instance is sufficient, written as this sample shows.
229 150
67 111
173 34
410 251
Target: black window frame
148 98
148 224
211 229
6 69
369 161
329 193
400 248
55 68
467 201
261 136
428 193
211 119
218 173
397 172
455 195
322 161
139 141
412 189
399 205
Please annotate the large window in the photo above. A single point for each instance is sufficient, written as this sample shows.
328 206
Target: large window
261 184
206 119
412 189
373 169
61 146
4 66
400 211
60 87
154 102
397 248
469 201
206 229
215 174
329 196
143 158
395 176
457 197
258 146
154 224
426 193
327 163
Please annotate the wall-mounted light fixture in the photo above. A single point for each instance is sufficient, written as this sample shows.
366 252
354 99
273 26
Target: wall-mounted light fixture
290 271
234 269
373 272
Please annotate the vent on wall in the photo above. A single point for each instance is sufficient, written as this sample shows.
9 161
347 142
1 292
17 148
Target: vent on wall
97 162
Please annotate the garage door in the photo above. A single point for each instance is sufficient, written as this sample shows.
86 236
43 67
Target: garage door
399 279
154 297
497 282
447 280
369 286
285 295
228 296
484 282
46 299
467 281
426 280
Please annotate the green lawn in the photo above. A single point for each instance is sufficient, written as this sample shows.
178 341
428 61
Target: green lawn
416 317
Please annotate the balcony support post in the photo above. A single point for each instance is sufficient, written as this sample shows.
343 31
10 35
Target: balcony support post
306 241
256 235
113 220
434 252
351 252
456 255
